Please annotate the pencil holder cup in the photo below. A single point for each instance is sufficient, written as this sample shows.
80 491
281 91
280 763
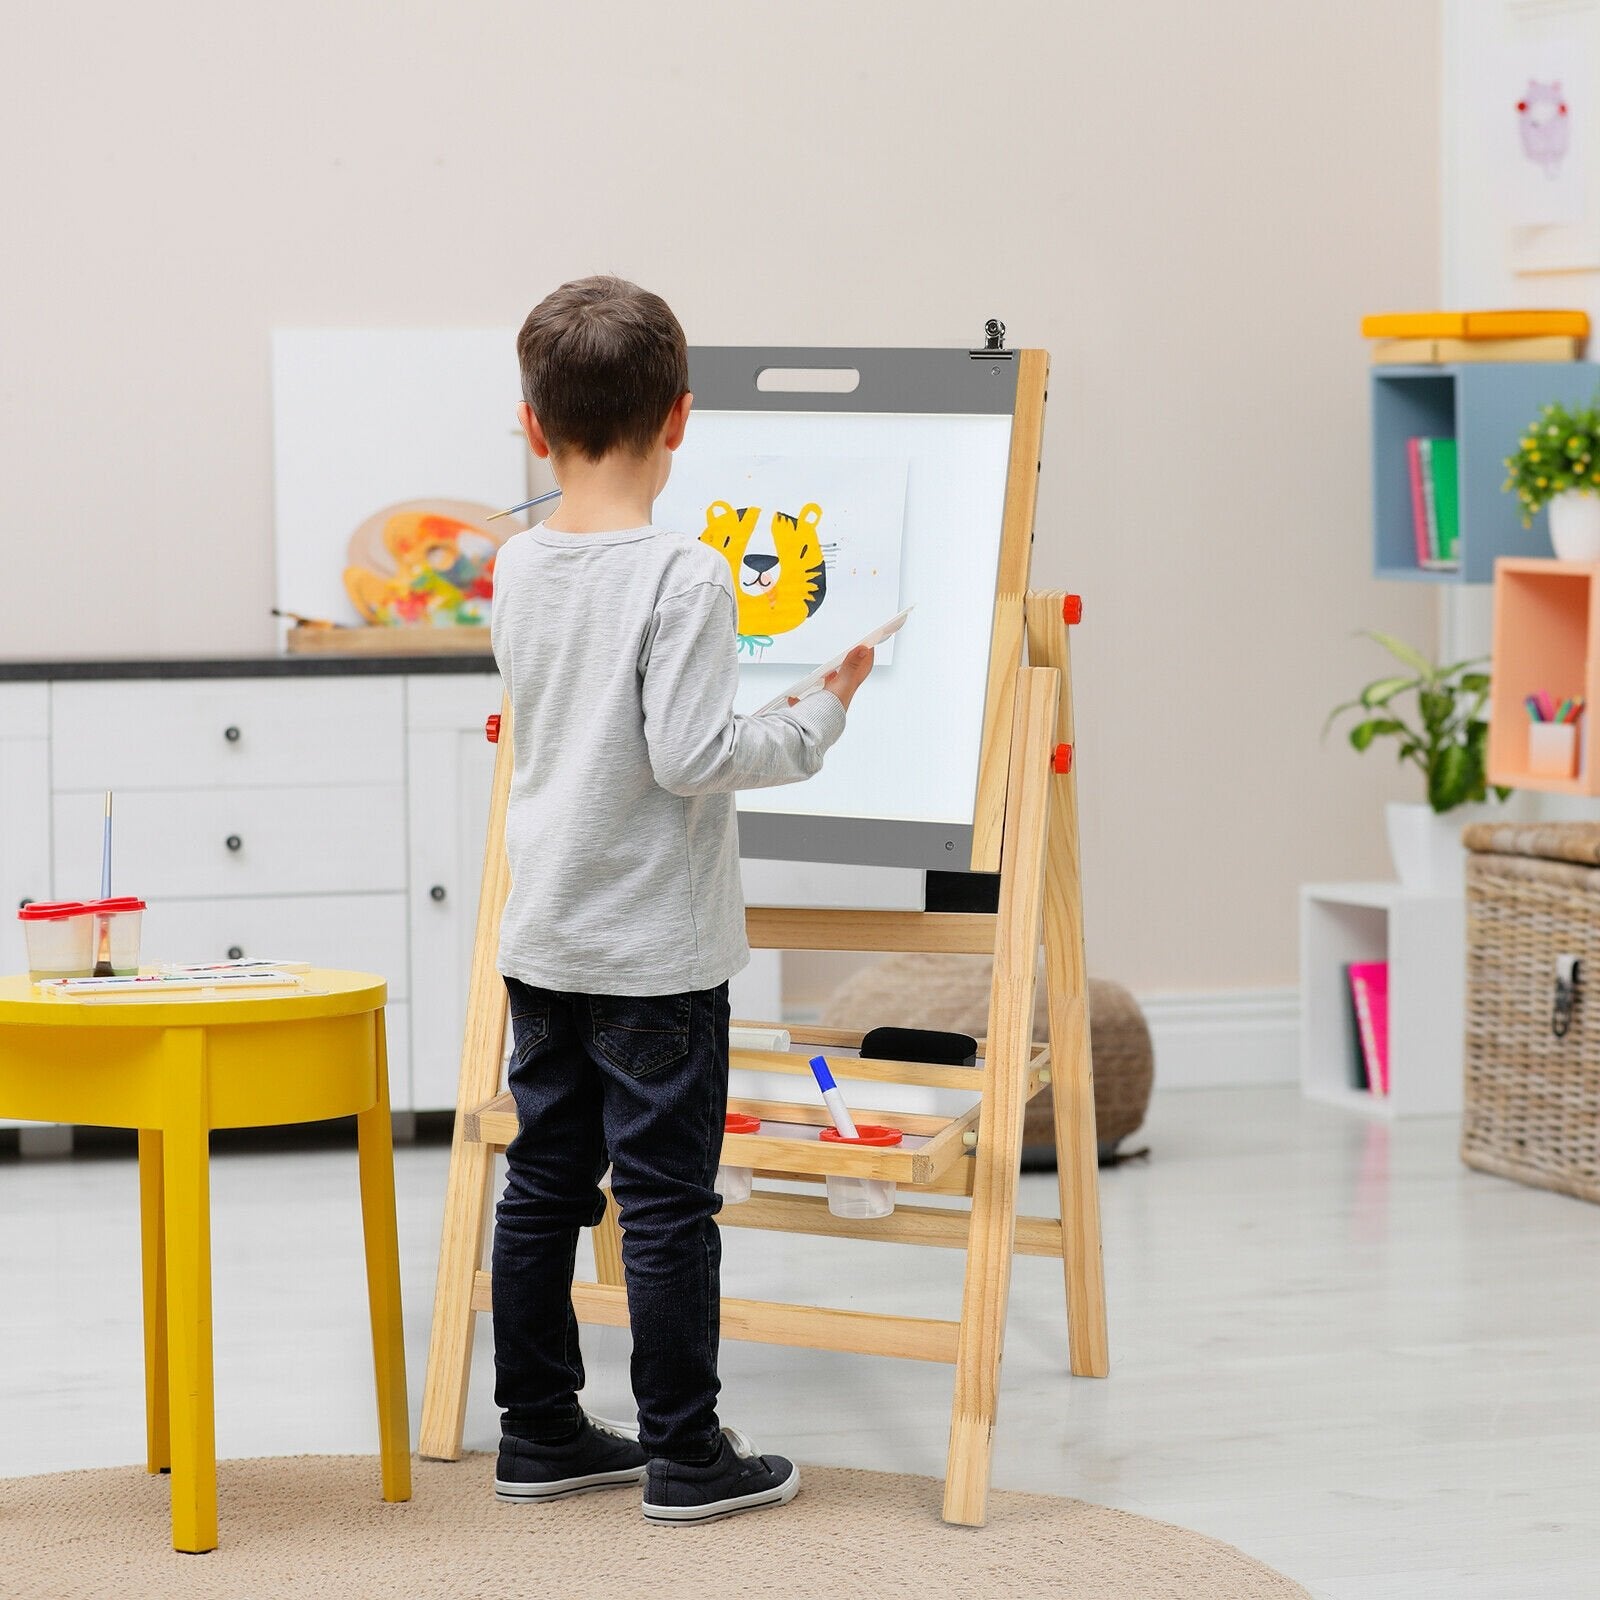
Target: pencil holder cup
734 1183
861 1198
1552 749
60 938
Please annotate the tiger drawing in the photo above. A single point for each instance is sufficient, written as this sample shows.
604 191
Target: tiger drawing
776 591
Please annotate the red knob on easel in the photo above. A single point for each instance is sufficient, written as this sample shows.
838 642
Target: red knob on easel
1063 758
1072 610
491 728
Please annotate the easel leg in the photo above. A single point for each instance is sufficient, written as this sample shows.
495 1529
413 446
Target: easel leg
466 1210
1067 985
152 1225
607 1236
466 1201
186 1184
375 1155
1077 1175
992 1233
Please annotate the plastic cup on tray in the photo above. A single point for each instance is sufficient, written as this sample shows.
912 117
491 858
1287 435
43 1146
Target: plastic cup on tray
735 1183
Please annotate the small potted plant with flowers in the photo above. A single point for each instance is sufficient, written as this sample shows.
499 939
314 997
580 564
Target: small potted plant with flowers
1557 464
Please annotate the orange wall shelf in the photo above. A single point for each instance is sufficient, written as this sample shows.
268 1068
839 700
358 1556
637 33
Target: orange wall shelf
1546 637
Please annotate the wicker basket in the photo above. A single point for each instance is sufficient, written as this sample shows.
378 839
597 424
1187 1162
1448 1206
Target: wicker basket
1532 1093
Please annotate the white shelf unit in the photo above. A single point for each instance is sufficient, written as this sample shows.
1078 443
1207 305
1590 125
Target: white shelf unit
1423 938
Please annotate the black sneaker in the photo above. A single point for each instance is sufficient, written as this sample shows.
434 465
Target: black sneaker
736 1479
600 1455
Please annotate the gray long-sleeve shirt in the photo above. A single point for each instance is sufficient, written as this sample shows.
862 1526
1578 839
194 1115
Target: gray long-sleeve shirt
619 654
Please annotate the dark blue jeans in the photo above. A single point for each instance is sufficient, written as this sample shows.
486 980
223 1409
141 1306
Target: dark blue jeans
642 1083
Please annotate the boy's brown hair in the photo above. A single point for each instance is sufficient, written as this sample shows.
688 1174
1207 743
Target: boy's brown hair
602 363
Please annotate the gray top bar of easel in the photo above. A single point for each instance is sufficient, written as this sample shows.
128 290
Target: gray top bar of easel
934 382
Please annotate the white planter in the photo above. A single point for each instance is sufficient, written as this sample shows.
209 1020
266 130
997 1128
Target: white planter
1575 525
1426 847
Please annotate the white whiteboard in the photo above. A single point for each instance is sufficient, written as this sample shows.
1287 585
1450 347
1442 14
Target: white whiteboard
911 750
363 418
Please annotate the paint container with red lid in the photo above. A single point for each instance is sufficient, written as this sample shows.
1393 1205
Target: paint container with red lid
861 1199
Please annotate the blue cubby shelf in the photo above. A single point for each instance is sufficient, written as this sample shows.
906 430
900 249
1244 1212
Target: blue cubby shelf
1483 406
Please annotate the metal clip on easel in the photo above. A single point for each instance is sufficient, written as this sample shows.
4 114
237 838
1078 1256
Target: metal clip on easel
994 343
1568 971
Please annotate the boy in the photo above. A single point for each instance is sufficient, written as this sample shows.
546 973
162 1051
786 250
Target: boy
616 643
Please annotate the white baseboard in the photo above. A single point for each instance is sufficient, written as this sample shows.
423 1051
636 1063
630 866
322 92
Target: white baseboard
1227 1038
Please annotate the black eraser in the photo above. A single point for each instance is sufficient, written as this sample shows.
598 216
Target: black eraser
920 1044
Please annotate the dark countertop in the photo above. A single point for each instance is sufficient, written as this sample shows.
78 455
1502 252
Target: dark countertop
308 666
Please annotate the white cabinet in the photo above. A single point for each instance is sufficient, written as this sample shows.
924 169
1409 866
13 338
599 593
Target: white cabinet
230 842
221 733
363 931
449 772
336 818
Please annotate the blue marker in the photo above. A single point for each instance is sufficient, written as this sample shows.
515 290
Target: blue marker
832 1099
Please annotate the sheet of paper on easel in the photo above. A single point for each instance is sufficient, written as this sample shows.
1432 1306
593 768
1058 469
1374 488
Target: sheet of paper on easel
814 680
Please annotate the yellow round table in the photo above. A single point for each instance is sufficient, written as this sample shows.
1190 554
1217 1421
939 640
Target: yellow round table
175 1067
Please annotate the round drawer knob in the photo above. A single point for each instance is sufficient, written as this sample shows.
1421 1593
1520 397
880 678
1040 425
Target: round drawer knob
235 952
231 735
234 842
436 892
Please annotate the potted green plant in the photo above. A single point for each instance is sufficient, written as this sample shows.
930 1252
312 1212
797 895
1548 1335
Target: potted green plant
1557 464
1434 715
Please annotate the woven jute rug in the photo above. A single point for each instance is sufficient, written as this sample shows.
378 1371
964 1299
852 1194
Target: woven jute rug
314 1527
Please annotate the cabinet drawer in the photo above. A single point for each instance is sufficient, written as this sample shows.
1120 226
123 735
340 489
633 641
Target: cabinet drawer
450 701
224 842
364 932
24 711
227 732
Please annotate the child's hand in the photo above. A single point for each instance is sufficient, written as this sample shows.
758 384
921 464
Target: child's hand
851 675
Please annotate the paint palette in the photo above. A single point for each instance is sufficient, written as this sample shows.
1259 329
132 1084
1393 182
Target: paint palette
424 563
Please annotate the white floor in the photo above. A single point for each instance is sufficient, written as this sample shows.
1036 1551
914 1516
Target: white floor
1332 1344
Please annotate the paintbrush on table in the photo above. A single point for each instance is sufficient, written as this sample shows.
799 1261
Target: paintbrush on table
102 965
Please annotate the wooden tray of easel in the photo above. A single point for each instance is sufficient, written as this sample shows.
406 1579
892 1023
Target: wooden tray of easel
1027 825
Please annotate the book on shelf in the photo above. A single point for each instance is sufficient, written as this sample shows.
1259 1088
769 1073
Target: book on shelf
1430 508
1446 504
1369 996
1435 503
1443 352
1419 504
1357 1063
1513 324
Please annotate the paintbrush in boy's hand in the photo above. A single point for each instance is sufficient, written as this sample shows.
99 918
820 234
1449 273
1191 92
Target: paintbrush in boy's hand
511 511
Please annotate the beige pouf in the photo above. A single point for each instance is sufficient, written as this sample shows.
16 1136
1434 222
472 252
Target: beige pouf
952 993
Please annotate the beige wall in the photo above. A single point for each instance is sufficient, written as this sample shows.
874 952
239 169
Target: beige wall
1190 205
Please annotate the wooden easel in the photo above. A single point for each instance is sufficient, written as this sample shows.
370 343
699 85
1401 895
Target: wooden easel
1027 826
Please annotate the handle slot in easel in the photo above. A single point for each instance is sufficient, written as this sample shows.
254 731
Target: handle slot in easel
808 380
